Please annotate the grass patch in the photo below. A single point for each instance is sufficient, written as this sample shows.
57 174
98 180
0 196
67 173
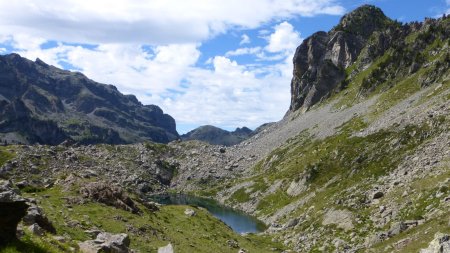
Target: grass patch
240 196
5 155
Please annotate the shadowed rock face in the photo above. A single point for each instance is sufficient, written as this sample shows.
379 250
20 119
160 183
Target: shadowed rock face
40 103
321 59
12 209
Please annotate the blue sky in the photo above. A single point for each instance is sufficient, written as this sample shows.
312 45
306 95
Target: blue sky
224 63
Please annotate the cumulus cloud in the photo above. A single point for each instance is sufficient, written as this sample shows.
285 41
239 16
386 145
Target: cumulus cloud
285 38
233 95
148 22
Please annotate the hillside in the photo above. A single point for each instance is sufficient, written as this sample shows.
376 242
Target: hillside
360 163
362 159
43 104
216 136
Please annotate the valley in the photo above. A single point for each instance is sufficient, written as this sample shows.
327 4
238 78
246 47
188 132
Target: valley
359 163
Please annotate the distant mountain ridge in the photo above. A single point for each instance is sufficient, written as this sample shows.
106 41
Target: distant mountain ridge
43 104
217 136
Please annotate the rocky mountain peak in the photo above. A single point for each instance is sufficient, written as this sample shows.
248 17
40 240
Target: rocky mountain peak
363 21
320 61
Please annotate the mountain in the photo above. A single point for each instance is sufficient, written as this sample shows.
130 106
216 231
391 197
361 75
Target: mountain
325 62
43 104
360 163
217 136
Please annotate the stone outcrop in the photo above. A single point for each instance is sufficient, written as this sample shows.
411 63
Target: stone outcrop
42 104
36 218
341 218
440 244
321 59
106 242
12 208
110 195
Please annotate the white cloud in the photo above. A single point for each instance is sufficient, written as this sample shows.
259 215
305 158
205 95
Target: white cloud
147 22
285 38
233 95
244 39
244 51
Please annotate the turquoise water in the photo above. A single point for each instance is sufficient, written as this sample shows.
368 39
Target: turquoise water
237 220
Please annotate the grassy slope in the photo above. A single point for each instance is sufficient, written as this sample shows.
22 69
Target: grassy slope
200 233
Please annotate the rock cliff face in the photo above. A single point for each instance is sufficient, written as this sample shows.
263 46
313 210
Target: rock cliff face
321 59
40 103
216 136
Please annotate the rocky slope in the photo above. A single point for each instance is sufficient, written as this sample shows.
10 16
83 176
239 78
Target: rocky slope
42 104
216 136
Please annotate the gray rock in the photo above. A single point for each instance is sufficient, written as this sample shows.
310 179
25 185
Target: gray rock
297 187
189 212
291 223
341 218
166 249
35 216
378 195
36 229
397 228
440 244
109 194
232 243
106 242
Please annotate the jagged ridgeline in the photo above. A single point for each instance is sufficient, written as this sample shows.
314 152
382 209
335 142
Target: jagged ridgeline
370 51
42 104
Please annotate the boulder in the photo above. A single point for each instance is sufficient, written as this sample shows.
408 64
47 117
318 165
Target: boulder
232 243
110 195
341 218
397 228
378 195
297 186
35 216
12 208
189 212
440 244
166 249
36 229
106 242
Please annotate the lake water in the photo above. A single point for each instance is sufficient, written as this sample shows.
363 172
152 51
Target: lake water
237 220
